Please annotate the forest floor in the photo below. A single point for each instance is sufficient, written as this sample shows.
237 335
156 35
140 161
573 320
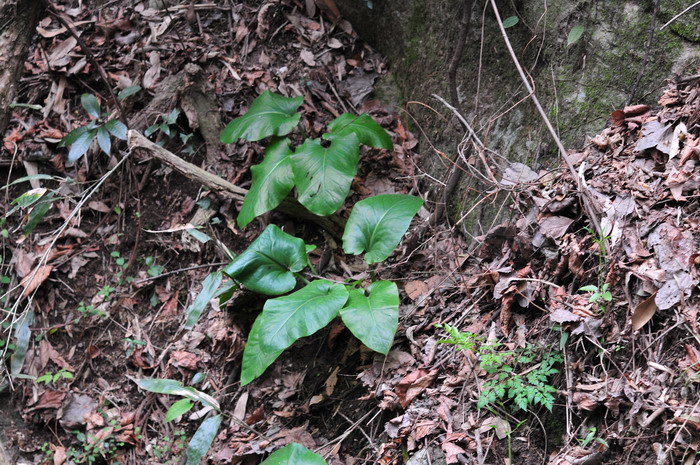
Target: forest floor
564 344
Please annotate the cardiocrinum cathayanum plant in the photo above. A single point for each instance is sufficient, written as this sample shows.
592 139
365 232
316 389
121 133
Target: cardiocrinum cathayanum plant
322 171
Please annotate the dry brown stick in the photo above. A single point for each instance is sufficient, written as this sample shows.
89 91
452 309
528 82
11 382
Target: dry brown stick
333 224
458 165
583 193
647 50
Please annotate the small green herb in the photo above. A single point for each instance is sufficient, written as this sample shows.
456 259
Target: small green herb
574 35
599 295
591 435
521 376
510 21
51 378
80 139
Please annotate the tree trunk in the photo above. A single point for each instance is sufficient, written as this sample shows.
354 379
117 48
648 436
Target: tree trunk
18 20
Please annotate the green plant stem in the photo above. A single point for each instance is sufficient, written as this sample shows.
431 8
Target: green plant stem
313 269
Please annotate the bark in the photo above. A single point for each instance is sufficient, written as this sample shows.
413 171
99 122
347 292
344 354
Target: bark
18 20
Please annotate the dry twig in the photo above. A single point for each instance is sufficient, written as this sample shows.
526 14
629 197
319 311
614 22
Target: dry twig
586 200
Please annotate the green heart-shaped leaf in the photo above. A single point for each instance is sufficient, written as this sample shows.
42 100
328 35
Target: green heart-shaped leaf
323 175
269 115
302 313
367 130
373 319
272 181
202 439
286 319
256 358
268 265
294 454
377 224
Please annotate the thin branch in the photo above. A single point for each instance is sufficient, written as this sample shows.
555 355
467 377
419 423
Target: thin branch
585 199
181 270
647 49
679 15
459 163
334 224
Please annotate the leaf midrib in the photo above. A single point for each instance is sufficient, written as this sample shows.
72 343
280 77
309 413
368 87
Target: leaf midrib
376 226
293 312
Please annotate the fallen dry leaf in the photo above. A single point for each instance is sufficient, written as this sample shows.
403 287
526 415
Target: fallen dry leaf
452 450
35 278
60 57
329 8
585 401
48 399
308 57
75 413
264 20
644 312
153 72
331 381
413 384
184 359
59 455
415 289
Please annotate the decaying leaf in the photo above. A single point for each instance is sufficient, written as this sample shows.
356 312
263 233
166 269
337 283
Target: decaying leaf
644 312
412 385
34 279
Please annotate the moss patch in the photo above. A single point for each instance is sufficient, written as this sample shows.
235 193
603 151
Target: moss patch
579 85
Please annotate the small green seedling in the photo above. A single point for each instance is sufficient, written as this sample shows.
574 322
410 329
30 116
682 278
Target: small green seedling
510 21
464 340
599 295
80 139
526 389
90 311
601 292
131 345
574 35
591 435
52 378
106 292
166 125
94 448
153 268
